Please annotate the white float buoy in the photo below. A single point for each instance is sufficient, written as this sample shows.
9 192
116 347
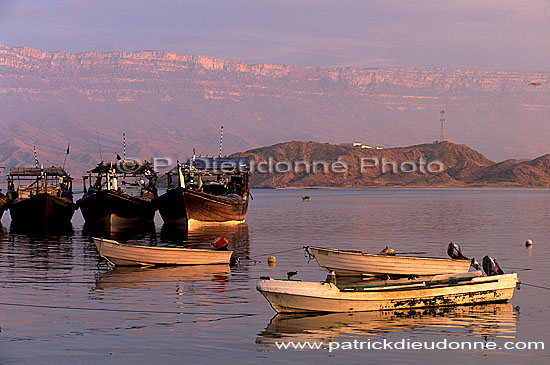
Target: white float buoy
528 243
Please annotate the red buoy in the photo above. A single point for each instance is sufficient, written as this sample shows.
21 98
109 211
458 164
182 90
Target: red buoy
219 243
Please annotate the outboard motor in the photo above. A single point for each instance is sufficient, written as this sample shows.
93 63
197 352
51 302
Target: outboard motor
290 274
454 252
387 251
233 260
331 278
491 266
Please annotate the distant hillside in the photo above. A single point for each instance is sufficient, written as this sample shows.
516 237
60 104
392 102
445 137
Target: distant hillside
457 166
168 103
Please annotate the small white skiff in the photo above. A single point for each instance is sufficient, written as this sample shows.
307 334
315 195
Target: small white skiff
356 263
288 296
132 255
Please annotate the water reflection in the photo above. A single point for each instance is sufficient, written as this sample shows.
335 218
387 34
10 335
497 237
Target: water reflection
177 287
41 231
153 277
489 321
38 250
144 232
201 235
62 271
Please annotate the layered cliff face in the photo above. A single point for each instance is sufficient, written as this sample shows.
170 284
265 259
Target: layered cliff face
168 103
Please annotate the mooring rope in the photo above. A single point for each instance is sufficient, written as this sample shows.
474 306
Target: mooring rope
88 282
274 253
127 310
533 285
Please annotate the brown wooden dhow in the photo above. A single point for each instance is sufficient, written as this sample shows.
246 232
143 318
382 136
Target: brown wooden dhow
3 203
214 189
119 194
40 196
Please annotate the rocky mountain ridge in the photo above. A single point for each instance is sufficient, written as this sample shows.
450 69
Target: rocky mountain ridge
168 103
452 165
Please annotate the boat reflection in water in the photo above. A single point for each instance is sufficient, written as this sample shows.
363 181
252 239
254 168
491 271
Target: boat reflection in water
171 287
41 231
151 277
200 235
487 320
42 250
144 233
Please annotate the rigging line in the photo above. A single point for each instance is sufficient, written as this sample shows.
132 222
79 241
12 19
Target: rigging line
67 154
213 140
98 145
126 310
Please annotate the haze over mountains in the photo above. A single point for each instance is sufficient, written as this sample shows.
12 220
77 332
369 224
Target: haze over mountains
168 103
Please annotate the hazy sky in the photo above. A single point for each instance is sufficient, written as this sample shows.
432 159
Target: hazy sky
495 34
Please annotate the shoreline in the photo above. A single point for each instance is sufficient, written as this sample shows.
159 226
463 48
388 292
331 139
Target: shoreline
405 187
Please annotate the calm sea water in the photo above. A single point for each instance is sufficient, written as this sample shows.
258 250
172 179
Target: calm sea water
60 303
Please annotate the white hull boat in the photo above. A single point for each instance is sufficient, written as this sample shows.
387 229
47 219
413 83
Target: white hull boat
132 255
289 296
356 263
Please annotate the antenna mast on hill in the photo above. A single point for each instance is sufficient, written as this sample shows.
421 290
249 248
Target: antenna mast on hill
221 141
35 157
442 137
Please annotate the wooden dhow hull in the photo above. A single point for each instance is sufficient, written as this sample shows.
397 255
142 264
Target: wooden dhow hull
171 207
182 205
109 208
288 296
41 209
204 207
3 204
353 263
131 255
